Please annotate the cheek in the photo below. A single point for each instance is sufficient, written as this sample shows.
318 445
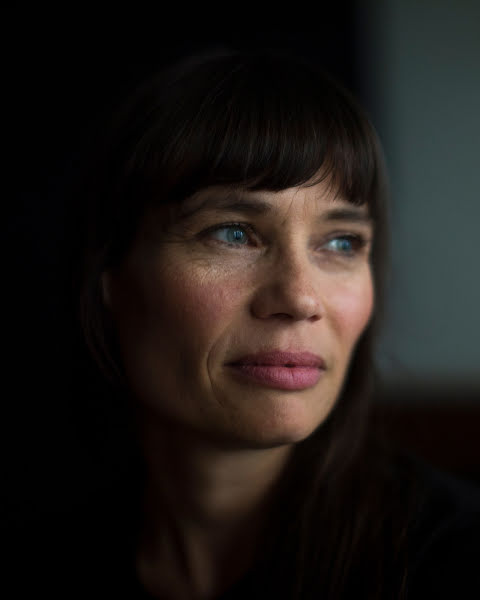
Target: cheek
351 309
205 301
168 320
184 308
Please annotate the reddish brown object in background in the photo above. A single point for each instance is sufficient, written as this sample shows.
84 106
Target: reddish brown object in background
445 434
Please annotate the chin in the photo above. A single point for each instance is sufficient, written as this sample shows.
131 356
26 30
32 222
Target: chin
272 433
297 421
269 418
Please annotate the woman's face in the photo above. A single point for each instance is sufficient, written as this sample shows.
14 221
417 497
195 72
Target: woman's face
237 321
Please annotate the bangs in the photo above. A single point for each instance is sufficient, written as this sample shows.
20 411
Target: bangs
260 121
252 122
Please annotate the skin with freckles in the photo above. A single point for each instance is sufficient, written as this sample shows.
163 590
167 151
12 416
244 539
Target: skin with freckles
232 273
236 274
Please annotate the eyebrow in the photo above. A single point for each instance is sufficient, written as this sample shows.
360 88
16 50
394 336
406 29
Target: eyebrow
258 206
229 202
347 214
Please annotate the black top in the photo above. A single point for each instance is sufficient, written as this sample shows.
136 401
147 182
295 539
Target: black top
445 547
88 552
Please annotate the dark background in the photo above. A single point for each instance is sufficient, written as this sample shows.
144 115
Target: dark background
61 81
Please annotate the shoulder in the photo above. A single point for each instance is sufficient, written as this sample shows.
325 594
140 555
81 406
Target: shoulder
444 543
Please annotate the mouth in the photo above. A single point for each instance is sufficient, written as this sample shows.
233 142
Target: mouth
280 370
279 358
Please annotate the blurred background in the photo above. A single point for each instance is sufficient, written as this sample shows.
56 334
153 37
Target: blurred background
414 65
420 65
418 68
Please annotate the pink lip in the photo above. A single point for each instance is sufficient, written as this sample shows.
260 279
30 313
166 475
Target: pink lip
281 370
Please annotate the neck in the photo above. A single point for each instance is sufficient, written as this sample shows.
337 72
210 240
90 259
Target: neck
205 503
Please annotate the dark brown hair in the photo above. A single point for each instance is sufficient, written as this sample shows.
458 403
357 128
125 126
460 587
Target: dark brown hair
262 120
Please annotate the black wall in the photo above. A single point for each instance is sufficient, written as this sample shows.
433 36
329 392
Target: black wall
61 81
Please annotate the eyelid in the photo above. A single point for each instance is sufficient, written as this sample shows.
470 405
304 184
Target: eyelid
348 234
359 234
363 229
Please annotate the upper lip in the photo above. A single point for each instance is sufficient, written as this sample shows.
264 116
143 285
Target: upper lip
281 358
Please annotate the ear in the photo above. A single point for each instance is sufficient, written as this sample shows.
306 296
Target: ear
106 284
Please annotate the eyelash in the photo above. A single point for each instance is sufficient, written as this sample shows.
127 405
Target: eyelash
356 239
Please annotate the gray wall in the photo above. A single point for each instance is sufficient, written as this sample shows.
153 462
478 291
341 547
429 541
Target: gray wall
421 64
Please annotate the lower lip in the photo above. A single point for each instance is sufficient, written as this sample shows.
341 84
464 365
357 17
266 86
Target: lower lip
282 378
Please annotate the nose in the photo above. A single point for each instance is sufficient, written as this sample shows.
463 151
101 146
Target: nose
289 290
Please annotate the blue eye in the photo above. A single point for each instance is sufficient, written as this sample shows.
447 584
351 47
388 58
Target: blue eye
345 244
231 234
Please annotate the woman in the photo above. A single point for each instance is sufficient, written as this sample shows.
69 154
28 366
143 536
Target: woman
230 288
